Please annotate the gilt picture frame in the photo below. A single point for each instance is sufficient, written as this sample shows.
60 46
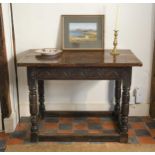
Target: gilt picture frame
82 32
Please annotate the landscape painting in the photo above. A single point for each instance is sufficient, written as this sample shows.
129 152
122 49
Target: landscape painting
82 32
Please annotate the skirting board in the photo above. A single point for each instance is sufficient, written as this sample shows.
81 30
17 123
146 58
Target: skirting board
11 122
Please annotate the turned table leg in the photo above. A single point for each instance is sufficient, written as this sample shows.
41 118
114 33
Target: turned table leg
41 98
33 105
125 110
117 99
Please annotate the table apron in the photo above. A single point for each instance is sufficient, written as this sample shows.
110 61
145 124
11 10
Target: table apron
81 73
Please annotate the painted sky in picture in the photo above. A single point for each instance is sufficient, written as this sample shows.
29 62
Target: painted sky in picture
83 26
82 32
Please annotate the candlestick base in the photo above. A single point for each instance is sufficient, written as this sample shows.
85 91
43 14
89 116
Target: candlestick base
114 51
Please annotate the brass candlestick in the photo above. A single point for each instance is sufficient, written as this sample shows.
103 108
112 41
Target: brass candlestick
114 51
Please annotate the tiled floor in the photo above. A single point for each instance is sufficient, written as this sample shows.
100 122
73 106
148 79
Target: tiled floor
141 129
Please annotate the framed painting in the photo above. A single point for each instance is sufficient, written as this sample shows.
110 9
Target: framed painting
83 32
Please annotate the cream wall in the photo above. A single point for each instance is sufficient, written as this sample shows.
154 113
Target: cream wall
39 26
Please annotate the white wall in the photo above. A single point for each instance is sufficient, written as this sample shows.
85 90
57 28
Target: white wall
39 26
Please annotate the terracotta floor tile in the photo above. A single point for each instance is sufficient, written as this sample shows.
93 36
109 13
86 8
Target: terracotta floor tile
93 119
131 132
146 140
138 125
109 132
65 120
152 132
108 125
3 135
22 126
50 125
64 131
80 126
95 131
13 141
141 129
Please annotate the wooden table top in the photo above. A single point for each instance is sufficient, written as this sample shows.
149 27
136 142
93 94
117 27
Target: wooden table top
79 59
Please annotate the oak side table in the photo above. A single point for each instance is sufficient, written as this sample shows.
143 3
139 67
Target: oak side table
80 65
